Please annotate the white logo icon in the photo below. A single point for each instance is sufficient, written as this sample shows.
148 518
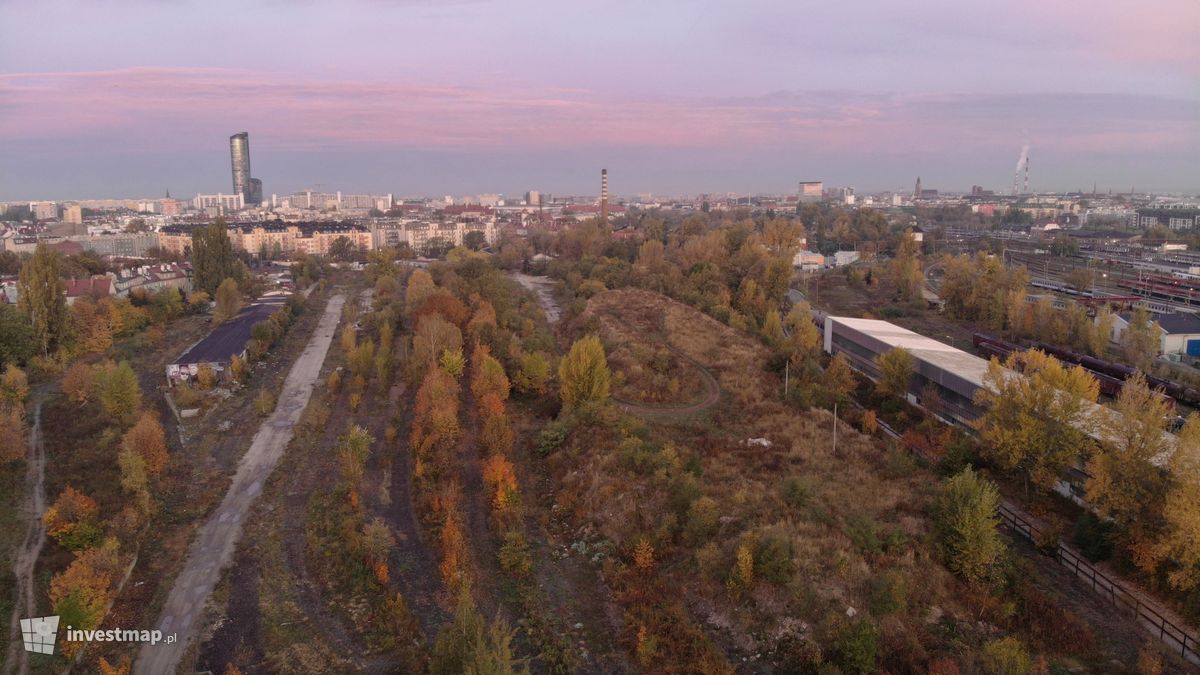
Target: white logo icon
39 634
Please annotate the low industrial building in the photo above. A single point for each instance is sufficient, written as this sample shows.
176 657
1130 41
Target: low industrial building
953 375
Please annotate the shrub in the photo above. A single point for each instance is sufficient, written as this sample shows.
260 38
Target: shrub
863 531
514 554
773 558
889 594
205 377
1093 536
552 437
701 520
264 403
796 492
186 396
855 644
1006 656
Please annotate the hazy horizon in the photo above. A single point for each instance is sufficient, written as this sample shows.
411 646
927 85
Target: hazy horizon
415 97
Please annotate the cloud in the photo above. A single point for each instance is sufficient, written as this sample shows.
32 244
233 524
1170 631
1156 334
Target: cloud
141 109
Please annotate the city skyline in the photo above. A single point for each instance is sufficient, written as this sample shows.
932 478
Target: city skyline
416 97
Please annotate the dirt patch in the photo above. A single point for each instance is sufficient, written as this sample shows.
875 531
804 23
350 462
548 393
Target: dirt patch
238 638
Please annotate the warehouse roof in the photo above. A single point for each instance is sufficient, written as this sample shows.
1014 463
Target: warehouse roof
964 364
228 338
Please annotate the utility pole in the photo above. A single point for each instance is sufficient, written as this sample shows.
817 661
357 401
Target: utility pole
835 428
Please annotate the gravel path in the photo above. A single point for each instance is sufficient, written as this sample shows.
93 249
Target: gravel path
214 544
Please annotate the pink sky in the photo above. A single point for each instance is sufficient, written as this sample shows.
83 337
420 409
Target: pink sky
762 93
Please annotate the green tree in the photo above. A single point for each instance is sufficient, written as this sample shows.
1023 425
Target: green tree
964 523
1036 423
584 374
896 368
118 392
474 240
40 295
212 257
229 301
18 341
343 249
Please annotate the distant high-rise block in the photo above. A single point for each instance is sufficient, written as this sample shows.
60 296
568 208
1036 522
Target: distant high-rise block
73 214
811 191
255 192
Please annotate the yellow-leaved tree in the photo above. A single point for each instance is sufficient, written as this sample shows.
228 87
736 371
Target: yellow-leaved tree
584 373
1038 416
1180 541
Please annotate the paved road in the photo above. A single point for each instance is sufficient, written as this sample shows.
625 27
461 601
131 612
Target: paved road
25 604
214 544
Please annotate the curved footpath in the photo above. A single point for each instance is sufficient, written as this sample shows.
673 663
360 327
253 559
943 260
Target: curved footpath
213 546
712 394
25 603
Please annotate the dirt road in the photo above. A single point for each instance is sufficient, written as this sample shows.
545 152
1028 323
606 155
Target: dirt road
543 290
214 544
25 605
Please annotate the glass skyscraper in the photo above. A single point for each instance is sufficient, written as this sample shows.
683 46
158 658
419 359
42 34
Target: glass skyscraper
239 152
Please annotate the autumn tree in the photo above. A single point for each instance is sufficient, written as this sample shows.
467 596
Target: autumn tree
487 375
1038 415
95 324
583 373
965 525
18 343
147 439
72 520
906 269
839 377
772 329
1101 333
1141 339
118 392
377 544
533 375
804 343
40 295
433 336
468 645
420 286
81 593
14 387
229 301
352 452
78 382
896 369
362 358
12 434
1179 543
